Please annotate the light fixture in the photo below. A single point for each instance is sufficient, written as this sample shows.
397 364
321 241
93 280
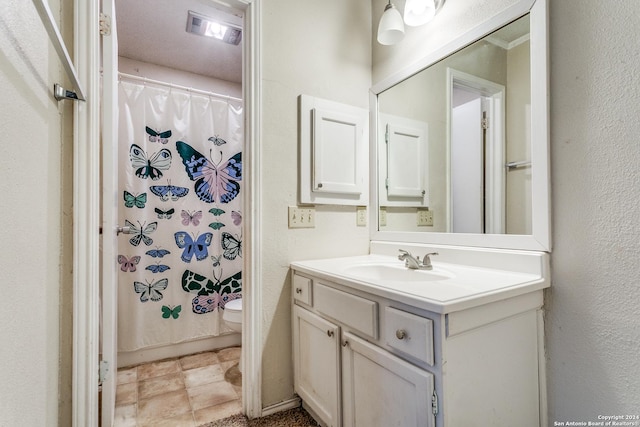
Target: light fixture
209 27
419 12
391 27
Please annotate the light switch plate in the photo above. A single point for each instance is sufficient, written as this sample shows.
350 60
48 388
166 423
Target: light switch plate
302 217
425 217
383 217
361 216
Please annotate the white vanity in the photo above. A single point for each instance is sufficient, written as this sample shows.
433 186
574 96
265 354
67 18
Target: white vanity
460 345
376 344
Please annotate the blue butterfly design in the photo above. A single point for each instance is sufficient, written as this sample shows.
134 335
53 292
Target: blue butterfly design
157 253
199 247
213 181
166 192
158 268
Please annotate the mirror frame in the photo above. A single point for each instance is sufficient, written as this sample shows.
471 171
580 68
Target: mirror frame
540 237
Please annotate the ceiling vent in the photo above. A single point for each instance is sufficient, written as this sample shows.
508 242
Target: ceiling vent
210 27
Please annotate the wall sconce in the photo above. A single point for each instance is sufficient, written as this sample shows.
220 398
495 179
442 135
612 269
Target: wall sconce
416 13
391 26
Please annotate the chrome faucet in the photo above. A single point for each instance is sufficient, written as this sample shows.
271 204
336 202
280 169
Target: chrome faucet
414 263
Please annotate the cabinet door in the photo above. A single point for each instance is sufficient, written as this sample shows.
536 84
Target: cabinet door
382 390
316 361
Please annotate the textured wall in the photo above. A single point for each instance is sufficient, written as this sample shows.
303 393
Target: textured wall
35 258
593 326
322 49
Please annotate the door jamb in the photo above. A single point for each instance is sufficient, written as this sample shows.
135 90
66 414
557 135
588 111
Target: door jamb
86 196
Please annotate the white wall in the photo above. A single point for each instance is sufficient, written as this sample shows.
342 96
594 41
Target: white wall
178 77
323 49
36 188
592 322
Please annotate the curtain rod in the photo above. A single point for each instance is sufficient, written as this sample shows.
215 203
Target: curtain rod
175 86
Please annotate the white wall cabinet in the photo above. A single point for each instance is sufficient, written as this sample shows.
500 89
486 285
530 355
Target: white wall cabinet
334 152
366 359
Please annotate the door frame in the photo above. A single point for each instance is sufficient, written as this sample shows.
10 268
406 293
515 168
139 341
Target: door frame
87 216
495 171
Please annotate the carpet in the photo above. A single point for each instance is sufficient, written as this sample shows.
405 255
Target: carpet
296 417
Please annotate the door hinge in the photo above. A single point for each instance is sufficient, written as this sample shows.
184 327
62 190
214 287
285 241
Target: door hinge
386 183
434 403
386 135
105 24
103 371
485 121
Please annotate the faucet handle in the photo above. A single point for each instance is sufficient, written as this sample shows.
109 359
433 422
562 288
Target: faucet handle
403 254
426 261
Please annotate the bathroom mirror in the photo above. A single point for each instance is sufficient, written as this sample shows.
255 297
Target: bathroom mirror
460 140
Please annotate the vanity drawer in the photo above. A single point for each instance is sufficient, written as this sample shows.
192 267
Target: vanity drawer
302 289
409 333
353 311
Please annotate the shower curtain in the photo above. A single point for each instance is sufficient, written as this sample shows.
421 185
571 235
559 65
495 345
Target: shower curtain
179 178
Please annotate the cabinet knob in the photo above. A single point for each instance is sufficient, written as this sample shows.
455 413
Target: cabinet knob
330 333
298 290
401 334
345 343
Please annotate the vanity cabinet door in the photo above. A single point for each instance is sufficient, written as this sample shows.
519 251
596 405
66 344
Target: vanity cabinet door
381 390
316 359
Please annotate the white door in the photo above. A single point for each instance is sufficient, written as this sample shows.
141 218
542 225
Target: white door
316 364
467 168
381 390
109 288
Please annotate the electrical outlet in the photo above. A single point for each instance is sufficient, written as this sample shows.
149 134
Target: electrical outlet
425 217
361 216
383 217
302 217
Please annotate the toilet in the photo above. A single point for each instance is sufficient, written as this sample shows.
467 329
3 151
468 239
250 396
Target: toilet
232 315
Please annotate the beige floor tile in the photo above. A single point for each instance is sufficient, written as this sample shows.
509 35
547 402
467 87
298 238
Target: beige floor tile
217 412
126 394
127 375
163 406
184 420
158 369
198 360
211 394
158 385
125 416
204 375
230 353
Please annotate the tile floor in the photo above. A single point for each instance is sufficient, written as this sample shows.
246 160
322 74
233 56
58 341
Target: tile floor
187 391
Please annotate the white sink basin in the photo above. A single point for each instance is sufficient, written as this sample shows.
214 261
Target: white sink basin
394 273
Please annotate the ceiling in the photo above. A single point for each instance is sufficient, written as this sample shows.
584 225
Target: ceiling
154 31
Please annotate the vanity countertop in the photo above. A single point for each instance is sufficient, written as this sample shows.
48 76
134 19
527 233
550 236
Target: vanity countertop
447 288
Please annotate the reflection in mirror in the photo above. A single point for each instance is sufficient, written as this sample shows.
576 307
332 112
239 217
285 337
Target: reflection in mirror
454 152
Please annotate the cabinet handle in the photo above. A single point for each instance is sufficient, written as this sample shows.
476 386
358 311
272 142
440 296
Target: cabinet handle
401 334
345 343
298 290
330 333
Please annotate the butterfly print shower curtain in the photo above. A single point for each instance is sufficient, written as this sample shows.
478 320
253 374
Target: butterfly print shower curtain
179 183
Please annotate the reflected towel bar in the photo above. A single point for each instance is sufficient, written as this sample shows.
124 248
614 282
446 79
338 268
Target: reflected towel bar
58 43
516 165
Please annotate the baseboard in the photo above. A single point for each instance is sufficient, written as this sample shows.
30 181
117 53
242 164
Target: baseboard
281 406
145 355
